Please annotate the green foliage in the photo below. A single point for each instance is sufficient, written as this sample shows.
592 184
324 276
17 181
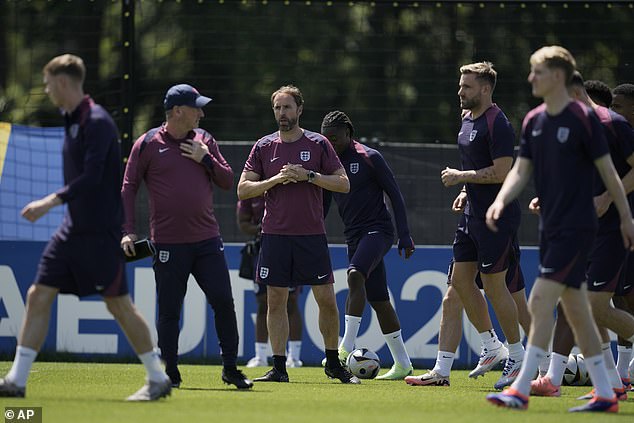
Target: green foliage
393 69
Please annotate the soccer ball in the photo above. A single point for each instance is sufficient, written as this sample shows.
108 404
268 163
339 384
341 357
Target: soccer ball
363 363
576 373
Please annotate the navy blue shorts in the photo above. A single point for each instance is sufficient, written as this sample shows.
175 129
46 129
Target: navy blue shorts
292 260
626 281
514 276
606 261
474 241
563 255
84 265
365 255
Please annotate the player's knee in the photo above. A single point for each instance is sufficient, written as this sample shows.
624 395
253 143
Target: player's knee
534 307
39 297
356 279
451 303
276 304
325 298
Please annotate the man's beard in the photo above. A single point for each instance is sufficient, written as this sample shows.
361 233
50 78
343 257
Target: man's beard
470 103
285 127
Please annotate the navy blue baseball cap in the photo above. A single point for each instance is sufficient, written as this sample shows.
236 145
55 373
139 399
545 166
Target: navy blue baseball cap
184 95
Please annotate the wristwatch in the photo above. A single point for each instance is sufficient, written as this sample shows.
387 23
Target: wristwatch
311 177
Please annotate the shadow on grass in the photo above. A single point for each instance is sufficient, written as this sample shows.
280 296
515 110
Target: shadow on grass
194 388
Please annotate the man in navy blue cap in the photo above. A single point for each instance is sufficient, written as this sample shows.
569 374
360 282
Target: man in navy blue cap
184 95
180 164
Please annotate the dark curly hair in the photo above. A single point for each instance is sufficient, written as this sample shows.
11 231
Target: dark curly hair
599 91
337 119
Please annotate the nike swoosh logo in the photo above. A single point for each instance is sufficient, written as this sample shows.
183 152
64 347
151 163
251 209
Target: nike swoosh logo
373 232
626 286
596 283
163 150
460 133
487 264
322 276
273 159
546 269
536 132
446 356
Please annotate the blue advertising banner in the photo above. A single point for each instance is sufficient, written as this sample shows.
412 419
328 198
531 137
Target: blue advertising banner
84 326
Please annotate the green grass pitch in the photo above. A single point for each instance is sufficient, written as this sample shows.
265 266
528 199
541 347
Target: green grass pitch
95 392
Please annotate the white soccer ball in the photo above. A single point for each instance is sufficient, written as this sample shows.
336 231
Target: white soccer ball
584 376
363 363
576 373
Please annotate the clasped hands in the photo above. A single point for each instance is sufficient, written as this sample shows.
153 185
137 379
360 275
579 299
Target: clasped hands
292 173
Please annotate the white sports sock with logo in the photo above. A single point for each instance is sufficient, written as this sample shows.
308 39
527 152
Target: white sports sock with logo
444 362
353 323
516 351
544 364
599 376
529 367
558 363
490 340
22 362
152 362
395 343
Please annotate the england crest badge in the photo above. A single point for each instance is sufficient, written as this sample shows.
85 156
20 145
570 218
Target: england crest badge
562 134
74 130
473 135
304 156
164 256
354 168
264 272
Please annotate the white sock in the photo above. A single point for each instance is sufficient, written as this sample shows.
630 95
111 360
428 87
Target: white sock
544 364
623 360
444 361
529 368
395 343
558 363
294 349
490 340
152 362
350 332
261 350
516 351
22 362
599 376
613 374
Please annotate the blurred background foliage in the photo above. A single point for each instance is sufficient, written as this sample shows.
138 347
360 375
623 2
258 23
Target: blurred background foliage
391 65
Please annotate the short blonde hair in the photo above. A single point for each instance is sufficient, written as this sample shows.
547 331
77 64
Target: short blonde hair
290 90
67 64
483 71
555 57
